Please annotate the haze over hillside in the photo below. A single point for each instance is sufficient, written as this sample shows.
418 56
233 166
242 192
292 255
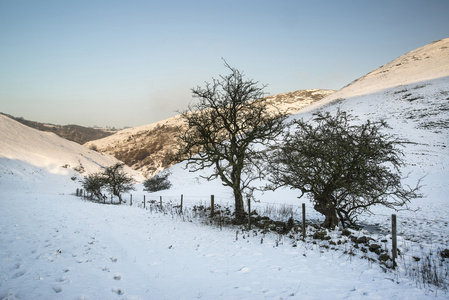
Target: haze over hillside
75 133
147 148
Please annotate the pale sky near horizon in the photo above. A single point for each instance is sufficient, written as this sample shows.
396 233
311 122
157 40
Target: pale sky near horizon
130 63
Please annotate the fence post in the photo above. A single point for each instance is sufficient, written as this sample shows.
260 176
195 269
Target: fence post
249 213
182 196
394 239
212 205
160 200
303 221
130 199
144 201
112 200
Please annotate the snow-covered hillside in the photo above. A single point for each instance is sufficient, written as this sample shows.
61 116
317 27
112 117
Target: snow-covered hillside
25 151
420 65
54 245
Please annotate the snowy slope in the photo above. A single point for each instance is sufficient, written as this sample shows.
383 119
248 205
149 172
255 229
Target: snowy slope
25 151
423 64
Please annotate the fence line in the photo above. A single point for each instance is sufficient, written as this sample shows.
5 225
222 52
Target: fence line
283 212
188 199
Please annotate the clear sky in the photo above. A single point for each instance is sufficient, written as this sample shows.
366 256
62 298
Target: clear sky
130 63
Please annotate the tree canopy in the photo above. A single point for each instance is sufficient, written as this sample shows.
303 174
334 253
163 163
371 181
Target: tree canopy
344 168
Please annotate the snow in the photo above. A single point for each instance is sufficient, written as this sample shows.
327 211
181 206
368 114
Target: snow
60 247
54 245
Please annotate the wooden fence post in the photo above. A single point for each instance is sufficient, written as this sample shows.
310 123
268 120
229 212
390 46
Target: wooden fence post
130 199
160 200
249 213
303 221
182 196
212 205
144 201
394 239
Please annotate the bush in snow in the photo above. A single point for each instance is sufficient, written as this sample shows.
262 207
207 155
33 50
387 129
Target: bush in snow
94 183
112 178
157 183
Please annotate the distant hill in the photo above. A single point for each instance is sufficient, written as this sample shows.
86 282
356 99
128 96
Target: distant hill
27 154
147 148
74 133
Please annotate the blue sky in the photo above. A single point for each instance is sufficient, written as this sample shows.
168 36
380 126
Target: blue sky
130 63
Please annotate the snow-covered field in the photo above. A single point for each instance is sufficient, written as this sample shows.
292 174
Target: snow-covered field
54 245
57 246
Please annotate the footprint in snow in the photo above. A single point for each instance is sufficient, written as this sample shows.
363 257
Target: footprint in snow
244 270
118 291
117 276
18 265
62 279
57 289
19 274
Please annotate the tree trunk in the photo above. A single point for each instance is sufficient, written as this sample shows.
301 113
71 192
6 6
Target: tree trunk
324 206
239 209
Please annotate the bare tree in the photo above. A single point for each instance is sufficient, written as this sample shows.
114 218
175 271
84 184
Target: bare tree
225 130
344 169
117 181
112 178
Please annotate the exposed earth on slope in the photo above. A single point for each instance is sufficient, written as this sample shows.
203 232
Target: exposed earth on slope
147 148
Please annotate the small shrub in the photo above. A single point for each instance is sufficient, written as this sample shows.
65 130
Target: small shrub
80 169
157 183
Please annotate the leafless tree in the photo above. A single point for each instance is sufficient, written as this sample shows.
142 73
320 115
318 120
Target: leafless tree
226 128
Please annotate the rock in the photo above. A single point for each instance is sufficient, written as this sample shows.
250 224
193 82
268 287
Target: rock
321 235
375 248
445 253
384 257
346 232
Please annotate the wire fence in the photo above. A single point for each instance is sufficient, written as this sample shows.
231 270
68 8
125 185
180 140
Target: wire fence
417 243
